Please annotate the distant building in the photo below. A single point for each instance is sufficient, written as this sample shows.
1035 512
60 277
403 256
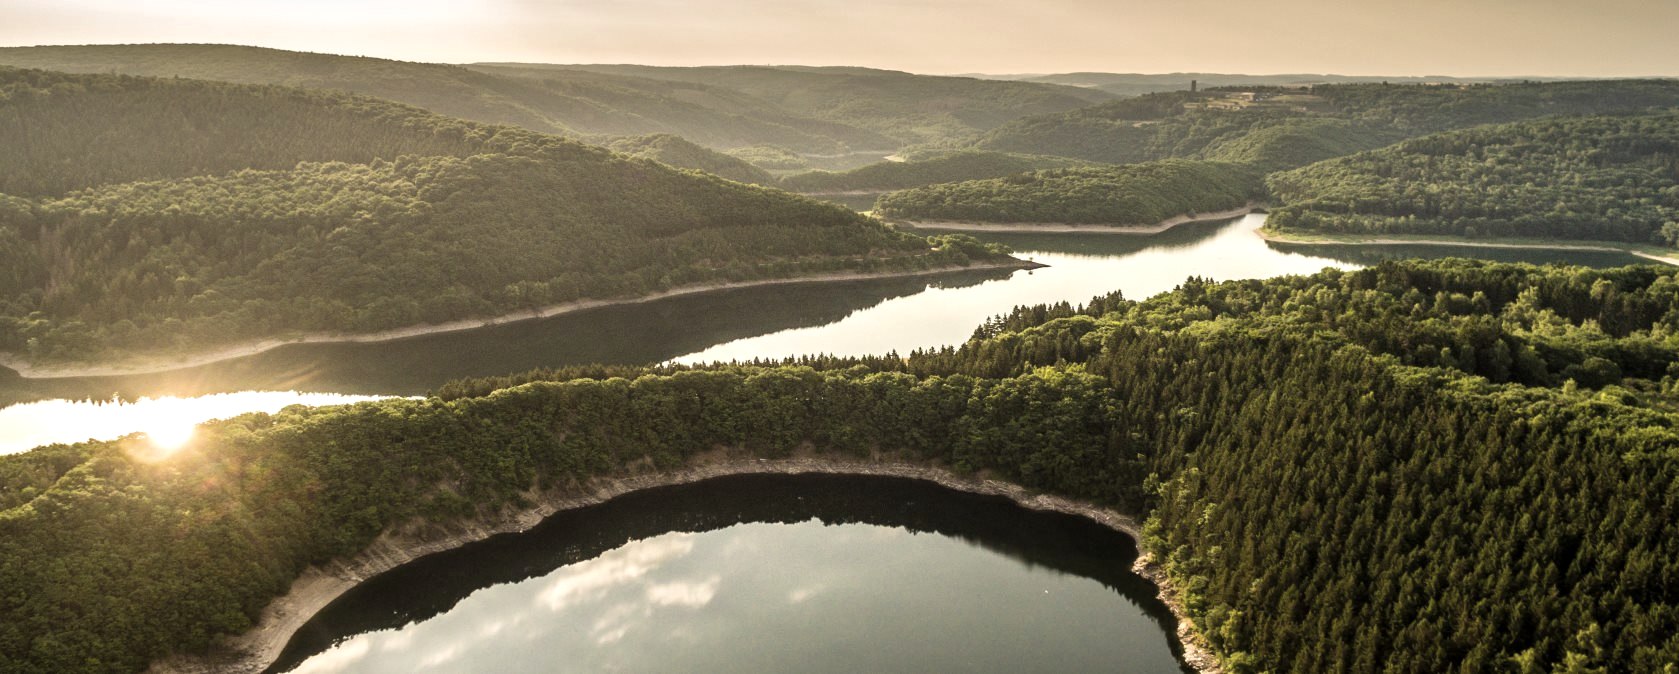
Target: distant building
1192 86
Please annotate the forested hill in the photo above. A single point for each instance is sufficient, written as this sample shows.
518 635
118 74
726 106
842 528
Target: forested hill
929 169
1421 466
818 111
678 152
585 104
193 224
905 107
190 264
1134 194
65 132
1612 178
1138 84
1323 122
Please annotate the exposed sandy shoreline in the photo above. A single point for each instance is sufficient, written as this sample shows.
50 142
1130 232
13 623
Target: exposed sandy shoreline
1065 228
1283 238
259 647
163 364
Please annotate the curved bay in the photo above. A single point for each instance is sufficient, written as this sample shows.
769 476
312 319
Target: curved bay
807 573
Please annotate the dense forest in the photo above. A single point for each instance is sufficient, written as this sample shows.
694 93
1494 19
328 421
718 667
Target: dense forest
942 167
1138 84
1612 178
678 152
581 104
66 132
494 220
905 107
1212 124
1453 465
1134 194
807 110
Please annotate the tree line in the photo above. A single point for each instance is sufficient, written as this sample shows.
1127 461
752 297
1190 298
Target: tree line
1607 177
1135 194
1328 490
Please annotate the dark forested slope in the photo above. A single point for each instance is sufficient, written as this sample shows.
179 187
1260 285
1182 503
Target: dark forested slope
1206 125
417 219
1133 194
818 111
65 132
1446 466
928 169
1612 178
563 103
905 107
678 152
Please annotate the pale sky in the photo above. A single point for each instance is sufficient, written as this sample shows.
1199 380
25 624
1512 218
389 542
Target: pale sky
1386 37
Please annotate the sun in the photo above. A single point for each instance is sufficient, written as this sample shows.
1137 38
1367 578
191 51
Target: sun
170 435
168 423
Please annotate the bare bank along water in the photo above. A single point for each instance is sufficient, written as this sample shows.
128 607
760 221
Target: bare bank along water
843 318
770 573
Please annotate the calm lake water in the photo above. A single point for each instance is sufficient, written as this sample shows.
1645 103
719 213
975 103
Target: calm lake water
745 574
761 574
851 318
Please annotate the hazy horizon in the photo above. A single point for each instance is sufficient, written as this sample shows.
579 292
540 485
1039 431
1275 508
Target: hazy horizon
1488 38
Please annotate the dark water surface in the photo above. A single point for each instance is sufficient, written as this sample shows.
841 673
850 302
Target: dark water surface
847 318
810 573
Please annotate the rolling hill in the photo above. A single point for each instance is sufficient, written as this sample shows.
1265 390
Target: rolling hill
905 107
1606 177
1207 125
808 110
353 215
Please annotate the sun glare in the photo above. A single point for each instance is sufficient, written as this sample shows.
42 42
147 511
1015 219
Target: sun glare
170 434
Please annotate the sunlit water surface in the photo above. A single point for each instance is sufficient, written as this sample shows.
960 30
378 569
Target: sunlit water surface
762 574
849 318
168 422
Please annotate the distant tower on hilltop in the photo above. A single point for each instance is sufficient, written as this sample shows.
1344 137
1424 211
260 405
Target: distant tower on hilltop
1192 86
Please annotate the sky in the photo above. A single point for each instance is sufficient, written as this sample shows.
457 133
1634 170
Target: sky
1354 37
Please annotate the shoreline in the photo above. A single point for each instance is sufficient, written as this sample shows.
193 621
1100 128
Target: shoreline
1066 228
259 647
154 365
1330 240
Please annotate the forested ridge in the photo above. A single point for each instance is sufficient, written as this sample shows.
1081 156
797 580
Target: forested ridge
1134 194
1421 466
1545 179
904 107
276 211
67 132
680 153
1606 177
929 169
807 110
582 104
1326 121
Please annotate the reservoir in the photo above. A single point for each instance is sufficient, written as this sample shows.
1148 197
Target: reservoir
740 574
842 318
807 573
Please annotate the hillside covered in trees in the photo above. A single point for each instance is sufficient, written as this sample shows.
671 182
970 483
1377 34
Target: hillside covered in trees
233 212
67 132
906 107
1445 466
820 111
928 169
679 152
1612 178
1328 121
1133 194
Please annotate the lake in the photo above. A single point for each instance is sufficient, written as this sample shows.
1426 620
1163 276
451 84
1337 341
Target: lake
746 574
761 573
848 318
